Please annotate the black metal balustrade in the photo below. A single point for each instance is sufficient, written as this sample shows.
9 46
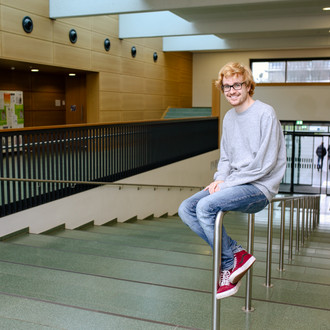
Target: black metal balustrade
102 153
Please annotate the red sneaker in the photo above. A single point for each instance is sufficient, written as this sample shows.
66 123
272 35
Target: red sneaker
242 263
226 288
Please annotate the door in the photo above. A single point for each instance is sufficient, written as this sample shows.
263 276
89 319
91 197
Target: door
75 99
311 172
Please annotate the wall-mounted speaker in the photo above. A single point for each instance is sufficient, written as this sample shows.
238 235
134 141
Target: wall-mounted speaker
73 36
107 44
155 56
27 24
133 51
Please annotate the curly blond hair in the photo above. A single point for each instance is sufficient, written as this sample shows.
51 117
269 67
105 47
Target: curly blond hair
235 69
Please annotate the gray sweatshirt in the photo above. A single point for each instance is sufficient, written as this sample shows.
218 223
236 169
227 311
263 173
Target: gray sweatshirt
252 149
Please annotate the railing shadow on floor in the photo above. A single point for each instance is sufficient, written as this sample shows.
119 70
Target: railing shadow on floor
307 209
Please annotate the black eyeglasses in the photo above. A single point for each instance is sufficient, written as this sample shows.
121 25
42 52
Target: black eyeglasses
237 86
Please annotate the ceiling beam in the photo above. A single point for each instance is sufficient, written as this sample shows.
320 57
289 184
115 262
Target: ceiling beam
213 43
72 8
156 24
166 24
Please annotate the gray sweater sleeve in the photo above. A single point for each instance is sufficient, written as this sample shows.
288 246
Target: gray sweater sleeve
252 150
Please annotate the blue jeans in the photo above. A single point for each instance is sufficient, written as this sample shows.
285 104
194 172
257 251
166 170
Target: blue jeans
200 210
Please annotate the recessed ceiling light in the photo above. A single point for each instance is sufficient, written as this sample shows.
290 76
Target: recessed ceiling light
72 74
34 70
326 8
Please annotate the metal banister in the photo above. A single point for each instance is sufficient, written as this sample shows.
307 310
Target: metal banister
309 204
310 208
100 183
216 269
217 266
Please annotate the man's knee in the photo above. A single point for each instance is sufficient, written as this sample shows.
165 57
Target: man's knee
183 211
205 211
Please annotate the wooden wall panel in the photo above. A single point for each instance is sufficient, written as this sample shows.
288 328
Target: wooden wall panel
110 101
171 101
26 49
110 82
131 67
41 82
131 84
154 71
132 115
105 62
39 94
119 86
46 101
11 19
116 46
153 43
110 116
47 118
92 97
37 7
133 101
61 36
77 22
98 43
126 46
154 86
151 115
14 80
107 25
152 102
71 57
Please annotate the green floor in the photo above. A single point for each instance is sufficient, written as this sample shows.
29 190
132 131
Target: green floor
156 274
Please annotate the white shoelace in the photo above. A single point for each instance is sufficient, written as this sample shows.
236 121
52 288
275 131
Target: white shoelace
235 262
225 278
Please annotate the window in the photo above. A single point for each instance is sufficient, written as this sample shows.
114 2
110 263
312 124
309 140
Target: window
291 71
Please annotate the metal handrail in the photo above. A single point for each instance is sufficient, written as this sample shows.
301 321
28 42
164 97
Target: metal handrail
102 152
99 183
307 208
217 265
314 204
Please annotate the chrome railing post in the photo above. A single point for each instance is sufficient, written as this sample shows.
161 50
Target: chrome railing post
291 229
269 244
298 225
303 222
216 269
309 216
314 212
282 230
318 209
250 243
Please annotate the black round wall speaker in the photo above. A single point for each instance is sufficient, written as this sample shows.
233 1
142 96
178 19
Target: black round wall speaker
133 51
155 56
73 36
107 44
27 24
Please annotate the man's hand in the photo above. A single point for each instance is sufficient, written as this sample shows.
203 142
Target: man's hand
213 186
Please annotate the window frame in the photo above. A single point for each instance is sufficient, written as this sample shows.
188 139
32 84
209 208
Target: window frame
293 59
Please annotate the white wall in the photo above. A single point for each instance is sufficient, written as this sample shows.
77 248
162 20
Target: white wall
297 102
290 103
106 203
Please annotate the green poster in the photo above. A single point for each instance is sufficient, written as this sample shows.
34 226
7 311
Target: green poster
19 112
3 117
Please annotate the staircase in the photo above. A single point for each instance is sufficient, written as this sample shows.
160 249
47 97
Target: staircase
154 274
174 113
